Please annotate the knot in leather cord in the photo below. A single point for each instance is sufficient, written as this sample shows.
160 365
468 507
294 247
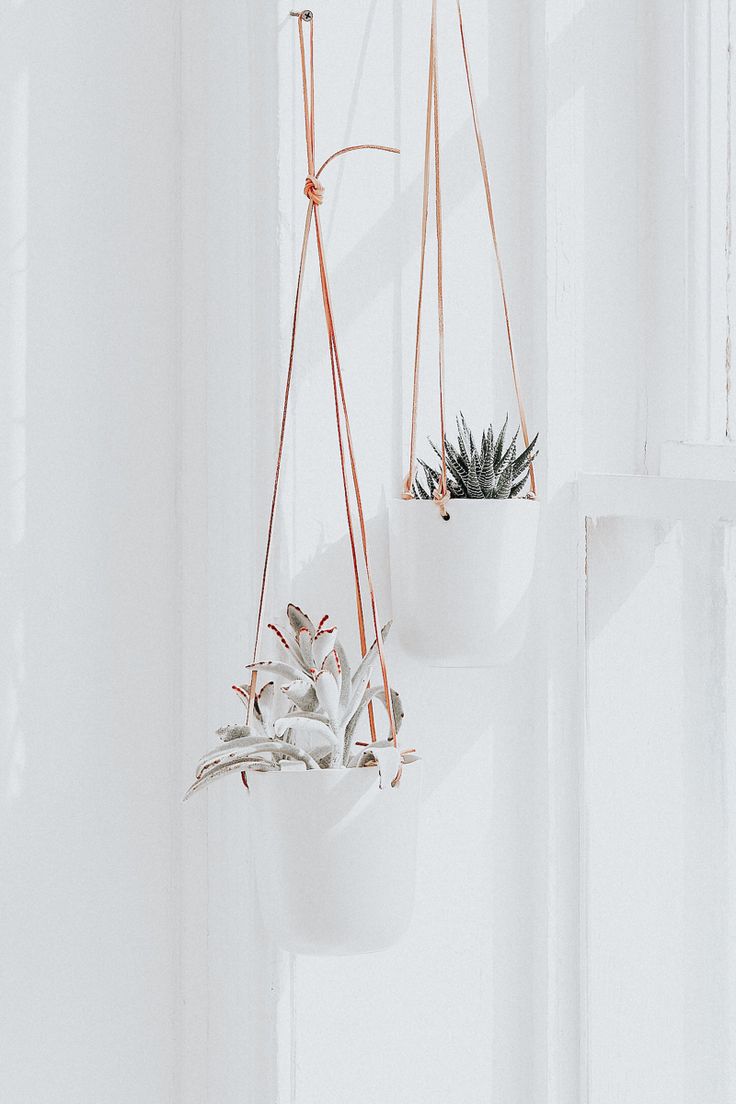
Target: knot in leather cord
314 190
407 492
442 498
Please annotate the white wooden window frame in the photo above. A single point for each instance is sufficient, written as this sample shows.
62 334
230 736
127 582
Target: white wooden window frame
699 504
711 205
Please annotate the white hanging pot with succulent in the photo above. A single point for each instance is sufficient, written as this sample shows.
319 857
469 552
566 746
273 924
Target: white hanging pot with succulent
333 819
333 811
464 532
336 857
468 603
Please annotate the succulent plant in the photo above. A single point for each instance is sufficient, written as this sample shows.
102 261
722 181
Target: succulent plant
313 713
489 470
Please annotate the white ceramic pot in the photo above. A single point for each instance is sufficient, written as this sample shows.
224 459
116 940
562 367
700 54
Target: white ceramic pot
335 857
461 588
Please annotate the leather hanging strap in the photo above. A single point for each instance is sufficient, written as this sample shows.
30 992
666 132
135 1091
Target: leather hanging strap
494 236
431 149
341 409
314 191
432 115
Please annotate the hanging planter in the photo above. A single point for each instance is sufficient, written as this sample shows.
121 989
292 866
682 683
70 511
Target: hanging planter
464 532
463 610
334 818
334 821
335 857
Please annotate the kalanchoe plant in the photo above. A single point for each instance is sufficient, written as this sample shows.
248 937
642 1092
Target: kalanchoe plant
309 711
489 469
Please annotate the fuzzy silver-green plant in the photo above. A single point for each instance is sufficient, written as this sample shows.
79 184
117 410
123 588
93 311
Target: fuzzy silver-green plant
310 714
489 469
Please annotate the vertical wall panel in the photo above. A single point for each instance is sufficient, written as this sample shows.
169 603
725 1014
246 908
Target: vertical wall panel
658 834
89 631
233 1037
456 1011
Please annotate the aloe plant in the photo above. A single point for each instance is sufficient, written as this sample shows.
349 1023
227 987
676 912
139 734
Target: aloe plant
489 469
308 711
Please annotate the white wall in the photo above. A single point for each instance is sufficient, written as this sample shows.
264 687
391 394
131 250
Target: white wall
455 1011
150 207
501 990
89 631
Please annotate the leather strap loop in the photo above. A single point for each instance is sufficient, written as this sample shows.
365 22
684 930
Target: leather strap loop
314 192
432 126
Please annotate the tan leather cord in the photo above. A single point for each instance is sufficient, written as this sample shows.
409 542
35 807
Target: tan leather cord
314 192
338 384
279 458
432 128
407 493
351 149
441 495
338 387
351 533
494 236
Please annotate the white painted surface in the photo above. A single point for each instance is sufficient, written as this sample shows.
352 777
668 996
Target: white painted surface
234 987
698 461
440 620
135 967
89 560
659 823
711 125
335 856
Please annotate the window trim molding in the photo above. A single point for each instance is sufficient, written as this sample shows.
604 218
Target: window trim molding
710 118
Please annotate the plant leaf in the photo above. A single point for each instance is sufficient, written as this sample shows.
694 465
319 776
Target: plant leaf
246 758
364 667
324 642
455 465
328 695
462 448
498 450
503 486
305 642
469 436
234 732
525 458
301 693
509 456
265 702
487 472
345 676
281 636
374 693
308 722
299 620
230 749
519 487
276 667
474 488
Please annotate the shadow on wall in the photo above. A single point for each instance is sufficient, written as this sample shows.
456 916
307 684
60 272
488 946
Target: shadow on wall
635 544
325 583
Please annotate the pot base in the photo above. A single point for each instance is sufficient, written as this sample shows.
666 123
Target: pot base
335 857
461 588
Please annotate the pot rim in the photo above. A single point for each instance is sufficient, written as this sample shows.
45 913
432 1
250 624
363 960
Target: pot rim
412 761
465 503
